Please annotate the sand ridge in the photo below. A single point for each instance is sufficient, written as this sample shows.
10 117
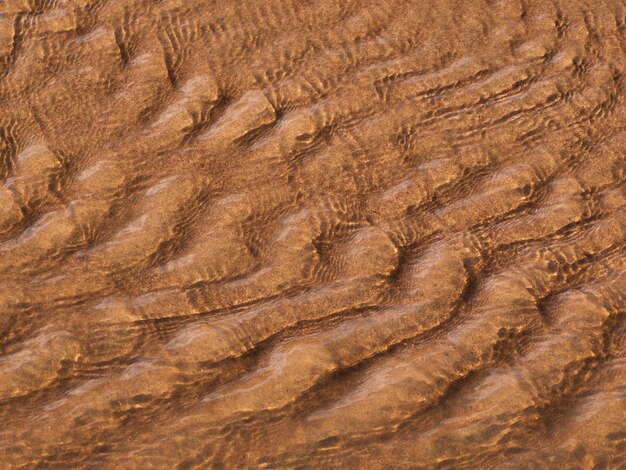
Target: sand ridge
293 234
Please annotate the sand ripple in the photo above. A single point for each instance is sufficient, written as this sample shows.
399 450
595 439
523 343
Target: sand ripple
292 234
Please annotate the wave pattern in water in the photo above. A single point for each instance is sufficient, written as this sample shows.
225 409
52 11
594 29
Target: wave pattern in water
294 234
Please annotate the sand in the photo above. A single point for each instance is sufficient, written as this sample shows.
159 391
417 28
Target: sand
312 234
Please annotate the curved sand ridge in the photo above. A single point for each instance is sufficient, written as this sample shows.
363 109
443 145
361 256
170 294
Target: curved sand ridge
326 234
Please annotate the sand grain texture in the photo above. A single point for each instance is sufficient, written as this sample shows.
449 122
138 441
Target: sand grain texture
328 234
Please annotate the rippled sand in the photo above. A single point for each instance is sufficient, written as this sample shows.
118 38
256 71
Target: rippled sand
328 234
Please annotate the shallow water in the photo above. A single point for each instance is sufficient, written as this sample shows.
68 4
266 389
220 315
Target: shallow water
294 234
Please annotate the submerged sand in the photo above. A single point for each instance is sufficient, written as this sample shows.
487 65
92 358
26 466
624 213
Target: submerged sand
312 234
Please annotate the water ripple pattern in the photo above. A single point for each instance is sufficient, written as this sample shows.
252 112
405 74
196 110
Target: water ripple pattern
313 234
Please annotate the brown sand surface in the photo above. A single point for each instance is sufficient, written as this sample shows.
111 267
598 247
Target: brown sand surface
313 234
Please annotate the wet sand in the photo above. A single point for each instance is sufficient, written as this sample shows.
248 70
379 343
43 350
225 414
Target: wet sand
328 234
